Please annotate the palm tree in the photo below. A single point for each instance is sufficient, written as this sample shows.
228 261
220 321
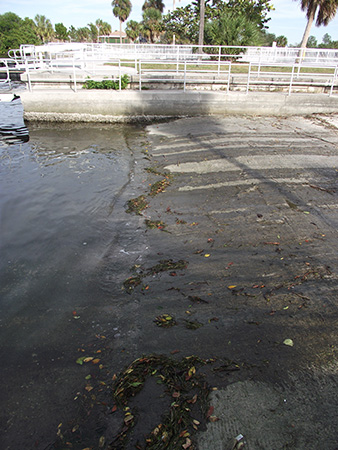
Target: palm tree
152 24
43 28
157 4
103 28
201 27
321 10
121 9
133 30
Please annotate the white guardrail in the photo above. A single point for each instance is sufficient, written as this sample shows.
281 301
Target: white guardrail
252 67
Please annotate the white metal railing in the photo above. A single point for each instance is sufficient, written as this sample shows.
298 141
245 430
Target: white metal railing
87 51
252 76
6 65
250 70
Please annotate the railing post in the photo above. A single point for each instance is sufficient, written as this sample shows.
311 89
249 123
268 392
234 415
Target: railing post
219 60
139 76
291 79
333 80
249 73
120 82
74 76
185 74
259 61
229 75
28 75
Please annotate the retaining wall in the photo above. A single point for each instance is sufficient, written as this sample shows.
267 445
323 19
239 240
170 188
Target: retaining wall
115 106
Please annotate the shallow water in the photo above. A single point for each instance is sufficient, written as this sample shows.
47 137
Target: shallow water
60 207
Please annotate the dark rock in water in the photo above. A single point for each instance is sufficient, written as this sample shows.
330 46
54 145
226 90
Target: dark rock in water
12 127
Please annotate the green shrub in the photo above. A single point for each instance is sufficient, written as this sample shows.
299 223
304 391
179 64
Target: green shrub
107 84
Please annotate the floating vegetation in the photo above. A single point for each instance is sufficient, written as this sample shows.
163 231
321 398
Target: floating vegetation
193 325
136 205
152 224
165 321
187 390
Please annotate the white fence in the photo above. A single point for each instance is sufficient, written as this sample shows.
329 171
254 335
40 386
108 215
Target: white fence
87 51
163 66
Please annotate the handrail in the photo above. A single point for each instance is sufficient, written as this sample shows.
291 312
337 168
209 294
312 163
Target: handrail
215 72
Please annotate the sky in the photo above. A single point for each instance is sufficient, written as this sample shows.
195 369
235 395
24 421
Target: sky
287 19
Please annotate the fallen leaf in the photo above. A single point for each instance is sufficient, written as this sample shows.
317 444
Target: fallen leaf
207 255
81 360
128 418
87 359
210 411
95 361
288 342
213 418
232 286
193 400
187 443
183 433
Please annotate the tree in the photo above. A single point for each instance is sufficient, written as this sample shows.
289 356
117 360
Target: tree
93 32
255 10
233 29
133 30
320 10
121 9
312 42
184 22
82 34
181 22
152 25
103 28
282 41
201 24
43 28
61 32
15 31
157 4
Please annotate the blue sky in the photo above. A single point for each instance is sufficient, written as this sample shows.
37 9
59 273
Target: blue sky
287 19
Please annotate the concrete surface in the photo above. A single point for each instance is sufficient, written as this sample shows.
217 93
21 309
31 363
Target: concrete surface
253 233
113 106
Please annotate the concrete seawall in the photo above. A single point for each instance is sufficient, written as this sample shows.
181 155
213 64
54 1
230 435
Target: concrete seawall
129 106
